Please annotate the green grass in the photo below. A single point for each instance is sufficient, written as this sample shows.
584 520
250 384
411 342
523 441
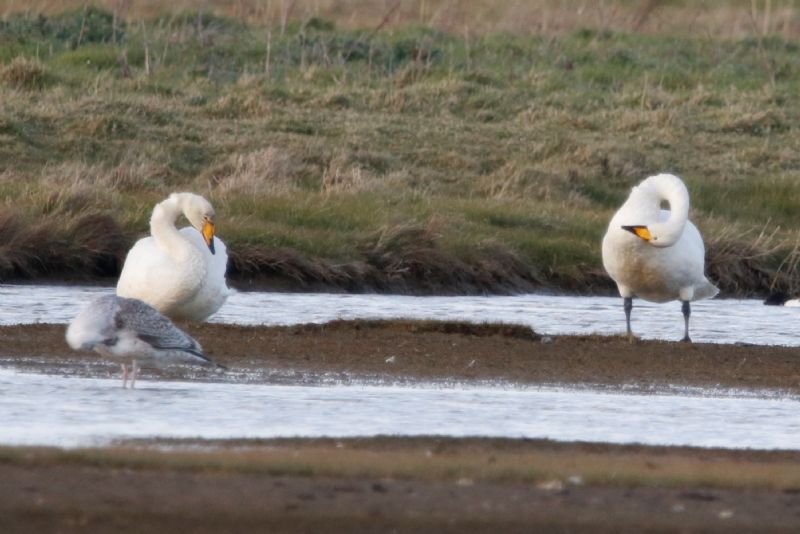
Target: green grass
317 138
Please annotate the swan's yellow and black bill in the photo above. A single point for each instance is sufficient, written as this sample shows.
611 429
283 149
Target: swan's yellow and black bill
639 231
208 235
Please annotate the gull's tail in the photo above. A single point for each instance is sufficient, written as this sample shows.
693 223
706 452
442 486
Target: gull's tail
205 359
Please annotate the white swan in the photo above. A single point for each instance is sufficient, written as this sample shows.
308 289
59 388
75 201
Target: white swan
181 273
657 254
128 328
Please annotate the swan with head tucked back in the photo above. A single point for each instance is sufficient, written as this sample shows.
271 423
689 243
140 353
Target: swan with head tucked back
181 273
657 254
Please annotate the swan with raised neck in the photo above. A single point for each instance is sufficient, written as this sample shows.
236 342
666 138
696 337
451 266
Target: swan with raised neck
197 210
181 273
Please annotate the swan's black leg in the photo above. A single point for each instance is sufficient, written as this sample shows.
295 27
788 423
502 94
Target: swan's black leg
687 311
628 305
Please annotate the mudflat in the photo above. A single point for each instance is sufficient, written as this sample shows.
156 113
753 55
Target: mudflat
420 350
398 485
431 484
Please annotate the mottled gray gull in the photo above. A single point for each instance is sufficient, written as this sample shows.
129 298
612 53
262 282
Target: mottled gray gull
125 328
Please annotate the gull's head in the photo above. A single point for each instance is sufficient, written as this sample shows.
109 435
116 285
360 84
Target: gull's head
82 333
95 324
202 216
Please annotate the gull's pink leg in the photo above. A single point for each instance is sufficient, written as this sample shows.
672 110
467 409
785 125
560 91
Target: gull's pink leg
134 369
124 375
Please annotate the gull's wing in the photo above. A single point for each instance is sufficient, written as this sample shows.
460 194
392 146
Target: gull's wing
153 328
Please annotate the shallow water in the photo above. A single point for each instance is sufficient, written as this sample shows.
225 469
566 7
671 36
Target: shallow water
60 411
714 321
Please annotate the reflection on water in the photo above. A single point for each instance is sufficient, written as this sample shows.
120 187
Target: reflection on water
41 409
717 321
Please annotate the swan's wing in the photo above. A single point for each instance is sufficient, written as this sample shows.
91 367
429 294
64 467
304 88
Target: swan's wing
148 273
214 289
703 288
693 240
217 263
146 323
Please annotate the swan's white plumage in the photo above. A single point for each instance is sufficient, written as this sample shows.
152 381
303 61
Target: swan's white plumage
671 265
174 270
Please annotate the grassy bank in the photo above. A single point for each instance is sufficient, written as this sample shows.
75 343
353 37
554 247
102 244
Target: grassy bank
391 153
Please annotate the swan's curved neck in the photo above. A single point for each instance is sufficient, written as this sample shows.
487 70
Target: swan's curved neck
163 230
666 187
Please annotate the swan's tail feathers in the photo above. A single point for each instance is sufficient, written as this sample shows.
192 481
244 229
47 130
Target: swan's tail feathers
705 291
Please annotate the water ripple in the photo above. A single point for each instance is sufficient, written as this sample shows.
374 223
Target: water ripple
42 409
713 321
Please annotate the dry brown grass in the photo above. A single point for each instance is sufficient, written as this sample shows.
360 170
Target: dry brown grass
409 255
742 260
23 73
732 18
267 171
404 258
397 157
99 181
46 246
343 176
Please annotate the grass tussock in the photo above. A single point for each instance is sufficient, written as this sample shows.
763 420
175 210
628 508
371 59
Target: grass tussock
403 259
25 74
739 262
731 19
46 247
267 171
403 151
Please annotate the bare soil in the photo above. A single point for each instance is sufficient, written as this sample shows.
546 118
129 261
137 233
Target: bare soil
47 492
